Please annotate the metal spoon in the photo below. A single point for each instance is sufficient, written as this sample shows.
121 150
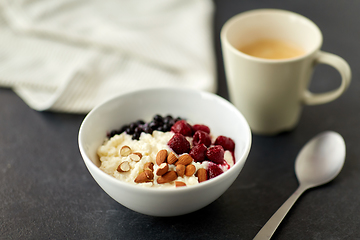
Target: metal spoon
319 162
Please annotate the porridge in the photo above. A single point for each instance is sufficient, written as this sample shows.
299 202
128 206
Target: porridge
166 152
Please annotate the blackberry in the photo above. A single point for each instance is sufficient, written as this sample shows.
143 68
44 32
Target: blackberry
132 126
135 128
168 119
113 133
148 129
140 122
167 127
135 136
154 125
161 129
138 130
158 118
129 131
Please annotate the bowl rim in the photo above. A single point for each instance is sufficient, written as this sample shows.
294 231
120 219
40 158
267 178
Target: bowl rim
238 164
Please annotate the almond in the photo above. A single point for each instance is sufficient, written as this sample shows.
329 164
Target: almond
201 175
163 168
179 184
149 174
190 170
125 151
135 156
167 177
180 169
172 158
141 178
124 167
149 166
184 159
161 156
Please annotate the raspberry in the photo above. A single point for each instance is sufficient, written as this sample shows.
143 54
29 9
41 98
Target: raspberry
201 137
179 144
214 171
198 152
225 142
216 154
201 127
183 128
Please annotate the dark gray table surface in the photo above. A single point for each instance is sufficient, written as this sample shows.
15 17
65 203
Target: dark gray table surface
46 191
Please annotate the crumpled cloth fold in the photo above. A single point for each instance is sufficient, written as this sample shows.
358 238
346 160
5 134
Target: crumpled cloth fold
71 55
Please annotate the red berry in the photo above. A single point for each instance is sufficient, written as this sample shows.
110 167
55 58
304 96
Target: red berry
201 127
214 171
216 154
201 137
179 144
183 128
198 152
225 142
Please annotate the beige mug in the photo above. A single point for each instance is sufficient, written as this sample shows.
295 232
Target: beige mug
270 92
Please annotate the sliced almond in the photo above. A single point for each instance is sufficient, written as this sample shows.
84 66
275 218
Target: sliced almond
135 156
172 158
141 178
201 175
184 159
149 166
167 177
123 167
163 168
125 151
161 156
180 170
180 184
190 170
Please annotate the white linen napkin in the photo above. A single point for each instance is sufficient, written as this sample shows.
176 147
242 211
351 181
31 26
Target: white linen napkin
70 55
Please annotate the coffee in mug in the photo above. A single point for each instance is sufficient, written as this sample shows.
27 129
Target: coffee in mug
270 89
272 49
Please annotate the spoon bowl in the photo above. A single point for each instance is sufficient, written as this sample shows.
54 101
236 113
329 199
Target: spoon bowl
321 159
319 162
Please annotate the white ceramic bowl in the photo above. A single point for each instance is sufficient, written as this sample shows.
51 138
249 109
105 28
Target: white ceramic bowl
198 107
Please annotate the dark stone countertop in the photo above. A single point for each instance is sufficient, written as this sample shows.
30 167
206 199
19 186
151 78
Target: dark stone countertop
46 191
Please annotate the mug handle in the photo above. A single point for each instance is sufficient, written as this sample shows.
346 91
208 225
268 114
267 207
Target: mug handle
339 64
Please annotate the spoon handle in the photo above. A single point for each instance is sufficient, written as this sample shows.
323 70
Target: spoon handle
269 228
